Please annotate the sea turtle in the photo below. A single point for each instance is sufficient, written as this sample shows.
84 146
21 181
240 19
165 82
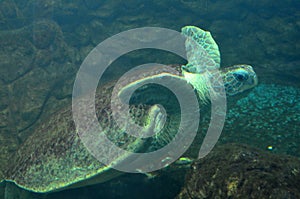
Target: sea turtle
53 157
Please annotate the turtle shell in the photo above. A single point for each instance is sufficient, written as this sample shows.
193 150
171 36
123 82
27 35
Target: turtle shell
54 158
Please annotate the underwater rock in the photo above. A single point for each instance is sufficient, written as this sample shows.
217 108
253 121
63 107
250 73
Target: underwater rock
269 30
269 115
44 34
4 105
26 106
8 144
39 9
20 49
16 55
11 16
93 4
31 60
238 171
8 9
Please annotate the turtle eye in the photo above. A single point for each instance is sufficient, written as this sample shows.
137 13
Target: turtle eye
240 77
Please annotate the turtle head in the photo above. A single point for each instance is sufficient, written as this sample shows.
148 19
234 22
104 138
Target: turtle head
239 78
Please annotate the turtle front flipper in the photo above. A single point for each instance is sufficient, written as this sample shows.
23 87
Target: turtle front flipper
127 90
201 49
203 62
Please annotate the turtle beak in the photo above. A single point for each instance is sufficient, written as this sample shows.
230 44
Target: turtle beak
252 80
255 79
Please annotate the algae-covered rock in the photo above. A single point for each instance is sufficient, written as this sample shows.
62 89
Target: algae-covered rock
11 16
9 143
4 99
237 171
29 62
268 116
30 59
16 55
